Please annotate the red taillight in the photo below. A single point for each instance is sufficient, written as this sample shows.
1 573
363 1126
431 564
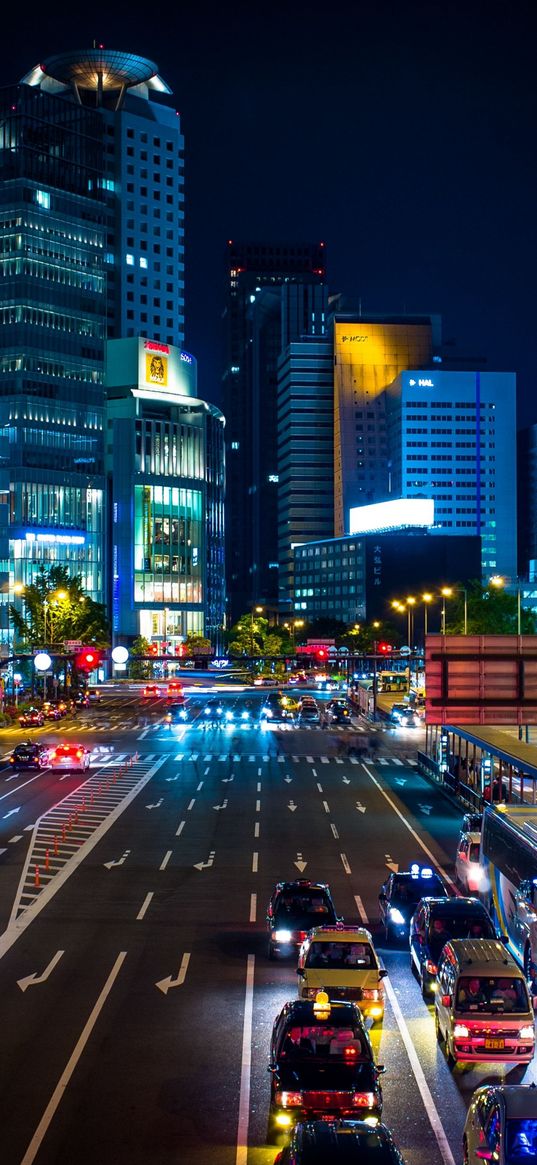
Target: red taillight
349 1053
363 1100
289 1099
80 752
431 967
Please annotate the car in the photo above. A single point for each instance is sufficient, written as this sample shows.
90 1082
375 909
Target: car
321 1064
70 757
434 922
410 718
82 701
94 695
400 894
151 691
467 866
471 823
294 908
342 961
274 709
501 1125
51 712
309 711
212 713
337 712
177 713
33 718
29 755
175 689
397 713
266 682
351 1142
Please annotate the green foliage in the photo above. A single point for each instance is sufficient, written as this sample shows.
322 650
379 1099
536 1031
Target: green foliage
55 609
139 669
196 644
490 611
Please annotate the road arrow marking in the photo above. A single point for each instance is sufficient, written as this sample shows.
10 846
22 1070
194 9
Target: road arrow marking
156 805
394 866
205 865
226 780
288 780
425 808
169 779
292 806
118 862
11 812
300 864
360 807
222 806
31 980
346 780
165 984
401 781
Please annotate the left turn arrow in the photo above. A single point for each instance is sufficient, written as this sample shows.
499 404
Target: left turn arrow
31 980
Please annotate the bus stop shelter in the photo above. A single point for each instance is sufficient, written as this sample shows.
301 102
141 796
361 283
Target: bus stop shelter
481 764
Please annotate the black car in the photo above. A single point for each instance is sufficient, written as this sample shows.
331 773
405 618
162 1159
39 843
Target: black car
293 910
177 713
400 894
350 1142
33 718
434 923
212 714
337 712
29 755
321 1064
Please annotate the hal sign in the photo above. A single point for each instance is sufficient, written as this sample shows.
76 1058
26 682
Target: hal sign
72 644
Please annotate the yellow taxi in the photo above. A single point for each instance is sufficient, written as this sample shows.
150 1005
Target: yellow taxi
342 961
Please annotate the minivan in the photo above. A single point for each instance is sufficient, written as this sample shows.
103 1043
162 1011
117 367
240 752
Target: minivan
482 1007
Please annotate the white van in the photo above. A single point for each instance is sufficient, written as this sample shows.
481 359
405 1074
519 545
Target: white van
482 1007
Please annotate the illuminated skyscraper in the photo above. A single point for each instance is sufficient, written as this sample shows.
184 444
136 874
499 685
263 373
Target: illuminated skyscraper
91 245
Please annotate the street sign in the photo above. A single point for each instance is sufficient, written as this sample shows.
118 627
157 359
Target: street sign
72 644
405 651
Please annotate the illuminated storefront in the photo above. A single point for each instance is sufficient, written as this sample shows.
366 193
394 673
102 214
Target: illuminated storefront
166 476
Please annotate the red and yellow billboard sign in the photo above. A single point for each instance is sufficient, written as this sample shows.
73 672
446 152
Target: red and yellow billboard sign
481 679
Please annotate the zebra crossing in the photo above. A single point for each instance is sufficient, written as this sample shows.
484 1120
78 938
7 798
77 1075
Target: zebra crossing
284 758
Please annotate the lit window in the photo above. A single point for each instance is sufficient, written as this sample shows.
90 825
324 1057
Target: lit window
273 477
130 260
42 197
143 261
235 445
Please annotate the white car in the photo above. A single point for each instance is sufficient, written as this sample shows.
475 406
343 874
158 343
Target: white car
501 1125
70 757
467 867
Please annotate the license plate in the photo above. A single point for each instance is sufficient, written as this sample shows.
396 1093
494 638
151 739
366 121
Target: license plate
495 1045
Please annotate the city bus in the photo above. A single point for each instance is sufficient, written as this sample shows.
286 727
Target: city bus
508 861
392 681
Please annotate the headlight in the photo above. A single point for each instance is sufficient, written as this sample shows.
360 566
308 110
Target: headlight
527 1033
245 715
460 1031
268 713
282 936
289 1099
396 916
229 715
183 715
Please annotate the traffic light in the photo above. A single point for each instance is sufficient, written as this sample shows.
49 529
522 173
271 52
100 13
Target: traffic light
88 659
153 648
385 648
322 653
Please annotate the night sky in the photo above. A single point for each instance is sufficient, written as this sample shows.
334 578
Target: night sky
401 134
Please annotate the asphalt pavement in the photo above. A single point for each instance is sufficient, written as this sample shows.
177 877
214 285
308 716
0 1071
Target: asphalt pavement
136 995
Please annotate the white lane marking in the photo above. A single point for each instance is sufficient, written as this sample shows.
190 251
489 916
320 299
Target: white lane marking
16 788
259 772
61 1087
165 984
255 862
319 787
408 826
334 831
326 807
258 806
206 773
144 906
165 860
200 786
256 829
179 829
241 1156
428 1102
346 866
18 837
191 806
253 907
258 788
361 910
314 772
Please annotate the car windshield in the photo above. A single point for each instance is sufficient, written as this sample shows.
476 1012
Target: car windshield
492 994
340 955
446 926
304 911
411 889
325 1040
520 1140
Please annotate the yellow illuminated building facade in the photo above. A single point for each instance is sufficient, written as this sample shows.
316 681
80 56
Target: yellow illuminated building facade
368 356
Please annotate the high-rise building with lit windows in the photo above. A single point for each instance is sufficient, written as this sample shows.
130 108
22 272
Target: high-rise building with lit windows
91 246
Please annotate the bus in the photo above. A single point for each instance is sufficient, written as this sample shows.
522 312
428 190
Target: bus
508 861
393 681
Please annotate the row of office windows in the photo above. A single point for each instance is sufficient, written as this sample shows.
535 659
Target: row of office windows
51 273
52 320
11 364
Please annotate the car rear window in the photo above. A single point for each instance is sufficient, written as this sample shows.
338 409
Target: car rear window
338 956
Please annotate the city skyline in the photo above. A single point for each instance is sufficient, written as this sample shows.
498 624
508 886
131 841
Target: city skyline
399 138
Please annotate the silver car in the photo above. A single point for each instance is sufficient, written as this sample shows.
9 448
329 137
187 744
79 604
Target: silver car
501 1125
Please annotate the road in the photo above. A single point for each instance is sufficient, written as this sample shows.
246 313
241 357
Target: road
137 998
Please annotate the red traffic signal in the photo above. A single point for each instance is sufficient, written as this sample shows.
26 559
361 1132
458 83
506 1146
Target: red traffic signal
88 659
153 648
385 648
322 654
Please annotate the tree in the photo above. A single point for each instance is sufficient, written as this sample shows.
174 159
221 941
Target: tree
139 668
196 645
55 609
489 611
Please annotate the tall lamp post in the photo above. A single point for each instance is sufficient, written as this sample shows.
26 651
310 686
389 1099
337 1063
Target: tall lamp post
499 581
253 612
447 593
